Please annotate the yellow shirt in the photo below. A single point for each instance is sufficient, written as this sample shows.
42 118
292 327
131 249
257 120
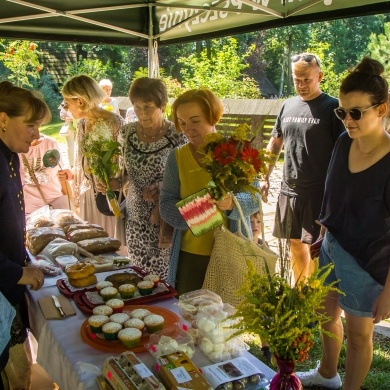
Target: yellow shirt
193 178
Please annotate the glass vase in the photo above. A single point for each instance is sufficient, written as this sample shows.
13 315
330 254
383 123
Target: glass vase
285 379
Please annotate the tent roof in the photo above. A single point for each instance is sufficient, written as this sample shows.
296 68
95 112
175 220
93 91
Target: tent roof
136 22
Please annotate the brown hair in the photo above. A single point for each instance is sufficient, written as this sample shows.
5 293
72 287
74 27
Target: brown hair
149 90
16 101
209 103
366 78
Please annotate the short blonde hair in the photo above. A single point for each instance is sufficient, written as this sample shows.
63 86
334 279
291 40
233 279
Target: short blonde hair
209 103
85 88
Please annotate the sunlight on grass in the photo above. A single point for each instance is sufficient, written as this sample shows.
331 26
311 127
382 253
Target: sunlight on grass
52 130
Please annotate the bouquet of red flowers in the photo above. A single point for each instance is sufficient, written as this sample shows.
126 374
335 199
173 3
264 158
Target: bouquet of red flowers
232 161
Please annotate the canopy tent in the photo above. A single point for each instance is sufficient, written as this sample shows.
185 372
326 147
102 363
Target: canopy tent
143 23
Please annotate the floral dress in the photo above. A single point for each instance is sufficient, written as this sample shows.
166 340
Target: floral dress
145 164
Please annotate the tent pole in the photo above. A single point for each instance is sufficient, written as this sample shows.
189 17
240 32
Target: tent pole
150 44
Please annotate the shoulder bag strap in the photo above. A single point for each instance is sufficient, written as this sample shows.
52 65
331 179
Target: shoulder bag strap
123 165
33 177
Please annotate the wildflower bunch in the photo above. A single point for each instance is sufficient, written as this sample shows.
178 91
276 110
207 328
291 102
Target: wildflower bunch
102 154
283 315
232 162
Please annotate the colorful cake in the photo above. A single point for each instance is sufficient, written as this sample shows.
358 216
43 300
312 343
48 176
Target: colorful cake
120 318
110 330
116 305
103 310
145 287
134 323
126 291
154 322
130 337
96 322
200 214
108 293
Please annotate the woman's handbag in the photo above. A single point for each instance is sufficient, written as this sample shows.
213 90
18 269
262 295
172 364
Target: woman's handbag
228 261
102 203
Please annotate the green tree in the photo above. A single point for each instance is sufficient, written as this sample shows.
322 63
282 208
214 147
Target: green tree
222 71
92 67
379 48
21 58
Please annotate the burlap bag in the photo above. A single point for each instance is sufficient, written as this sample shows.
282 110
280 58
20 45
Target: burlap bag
227 267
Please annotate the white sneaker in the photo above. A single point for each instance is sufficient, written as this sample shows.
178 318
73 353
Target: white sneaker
313 378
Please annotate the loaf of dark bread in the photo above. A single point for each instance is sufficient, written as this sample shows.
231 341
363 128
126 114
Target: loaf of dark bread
77 226
100 245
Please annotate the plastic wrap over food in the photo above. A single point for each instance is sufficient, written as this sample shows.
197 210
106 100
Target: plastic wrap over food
38 238
59 247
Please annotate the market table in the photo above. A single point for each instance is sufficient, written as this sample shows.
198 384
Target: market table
73 364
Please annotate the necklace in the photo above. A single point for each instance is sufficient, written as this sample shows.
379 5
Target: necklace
153 136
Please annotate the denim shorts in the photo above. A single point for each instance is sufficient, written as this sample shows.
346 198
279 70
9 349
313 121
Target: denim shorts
360 289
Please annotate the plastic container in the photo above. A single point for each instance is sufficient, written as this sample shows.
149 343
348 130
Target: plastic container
170 340
65 261
190 303
215 330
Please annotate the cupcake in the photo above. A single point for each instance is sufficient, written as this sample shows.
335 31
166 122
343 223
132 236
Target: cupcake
134 323
103 310
116 305
130 337
140 313
103 284
145 287
154 278
108 293
120 318
96 322
110 330
154 323
126 291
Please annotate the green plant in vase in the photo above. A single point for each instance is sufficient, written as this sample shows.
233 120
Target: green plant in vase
286 316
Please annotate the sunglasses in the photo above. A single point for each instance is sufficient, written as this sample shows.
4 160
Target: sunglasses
355 113
306 58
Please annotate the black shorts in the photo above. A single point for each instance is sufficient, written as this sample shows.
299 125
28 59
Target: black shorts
295 217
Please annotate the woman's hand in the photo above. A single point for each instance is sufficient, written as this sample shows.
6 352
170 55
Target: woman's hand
224 204
151 193
32 276
381 309
65 175
264 189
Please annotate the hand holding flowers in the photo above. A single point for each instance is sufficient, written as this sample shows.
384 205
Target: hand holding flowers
102 154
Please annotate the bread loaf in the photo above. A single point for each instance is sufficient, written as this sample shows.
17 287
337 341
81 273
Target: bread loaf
100 245
85 234
91 279
77 226
38 238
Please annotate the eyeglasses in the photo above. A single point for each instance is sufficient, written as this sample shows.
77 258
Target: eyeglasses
355 113
306 58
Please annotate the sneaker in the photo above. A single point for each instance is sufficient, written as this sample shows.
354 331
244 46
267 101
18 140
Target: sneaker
313 378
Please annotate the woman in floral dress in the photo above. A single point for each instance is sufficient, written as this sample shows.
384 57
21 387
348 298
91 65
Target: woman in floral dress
146 145
82 96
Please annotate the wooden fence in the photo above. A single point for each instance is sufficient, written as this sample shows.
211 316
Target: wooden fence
260 114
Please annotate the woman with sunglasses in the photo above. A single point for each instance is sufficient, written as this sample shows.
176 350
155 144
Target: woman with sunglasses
354 217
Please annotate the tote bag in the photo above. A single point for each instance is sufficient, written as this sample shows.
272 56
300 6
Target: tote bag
228 262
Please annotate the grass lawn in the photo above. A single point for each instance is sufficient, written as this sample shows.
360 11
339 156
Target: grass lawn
378 377
52 130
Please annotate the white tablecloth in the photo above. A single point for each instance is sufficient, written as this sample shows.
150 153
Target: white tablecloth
73 364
